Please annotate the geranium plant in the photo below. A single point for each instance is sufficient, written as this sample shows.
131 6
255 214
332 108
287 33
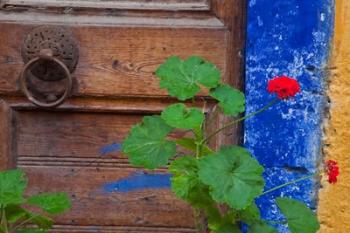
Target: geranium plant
15 217
222 184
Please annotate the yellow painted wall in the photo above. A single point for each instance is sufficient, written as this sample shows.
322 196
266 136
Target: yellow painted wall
334 206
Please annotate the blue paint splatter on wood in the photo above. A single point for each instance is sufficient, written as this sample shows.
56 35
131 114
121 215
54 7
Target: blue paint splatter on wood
139 181
114 147
287 38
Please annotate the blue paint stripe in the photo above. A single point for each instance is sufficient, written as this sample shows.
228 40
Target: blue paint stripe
139 181
114 147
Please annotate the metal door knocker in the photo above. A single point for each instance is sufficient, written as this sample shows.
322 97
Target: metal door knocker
50 55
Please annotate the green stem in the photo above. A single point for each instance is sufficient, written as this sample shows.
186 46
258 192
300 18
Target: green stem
25 222
276 222
3 219
198 138
1 213
2 216
239 120
197 151
288 183
198 222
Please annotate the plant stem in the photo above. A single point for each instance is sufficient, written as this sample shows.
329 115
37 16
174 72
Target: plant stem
1 213
197 151
198 139
276 222
25 222
288 183
239 120
3 219
198 221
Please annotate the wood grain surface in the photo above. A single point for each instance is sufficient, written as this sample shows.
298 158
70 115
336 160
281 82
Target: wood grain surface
171 5
63 149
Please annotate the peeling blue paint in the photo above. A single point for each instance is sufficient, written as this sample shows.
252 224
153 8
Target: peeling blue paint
114 147
287 38
139 181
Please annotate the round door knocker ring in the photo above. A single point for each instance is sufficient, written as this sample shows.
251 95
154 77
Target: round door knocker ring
24 76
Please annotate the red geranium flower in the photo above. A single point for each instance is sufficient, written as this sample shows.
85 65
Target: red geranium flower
285 87
332 171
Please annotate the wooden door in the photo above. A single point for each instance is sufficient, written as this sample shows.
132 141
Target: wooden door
74 147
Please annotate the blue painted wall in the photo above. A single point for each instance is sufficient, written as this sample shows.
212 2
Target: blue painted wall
287 37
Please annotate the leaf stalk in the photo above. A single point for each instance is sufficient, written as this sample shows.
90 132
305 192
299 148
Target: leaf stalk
288 183
271 103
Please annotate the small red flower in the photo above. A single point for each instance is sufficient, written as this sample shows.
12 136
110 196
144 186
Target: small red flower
332 171
285 87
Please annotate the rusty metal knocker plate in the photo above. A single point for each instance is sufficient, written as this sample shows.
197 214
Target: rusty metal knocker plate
51 54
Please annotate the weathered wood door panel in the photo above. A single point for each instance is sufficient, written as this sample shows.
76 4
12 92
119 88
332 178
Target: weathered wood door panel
122 63
119 4
74 147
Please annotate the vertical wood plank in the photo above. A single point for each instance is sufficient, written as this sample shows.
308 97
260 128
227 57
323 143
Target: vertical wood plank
233 14
6 149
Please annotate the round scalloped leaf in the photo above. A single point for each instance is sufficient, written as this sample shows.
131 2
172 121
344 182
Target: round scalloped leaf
190 144
233 176
31 230
261 227
12 186
15 213
228 228
40 220
231 100
182 78
184 170
179 116
187 186
250 215
300 218
53 203
146 145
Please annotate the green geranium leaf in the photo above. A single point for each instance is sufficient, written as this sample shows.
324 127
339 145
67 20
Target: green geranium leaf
12 186
233 176
200 198
182 77
261 227
300 218
250 215
186 185
228 228
179 116
146 145
15 213
214 217
53 203
31 230
190 144
184 170
231 100
41 221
